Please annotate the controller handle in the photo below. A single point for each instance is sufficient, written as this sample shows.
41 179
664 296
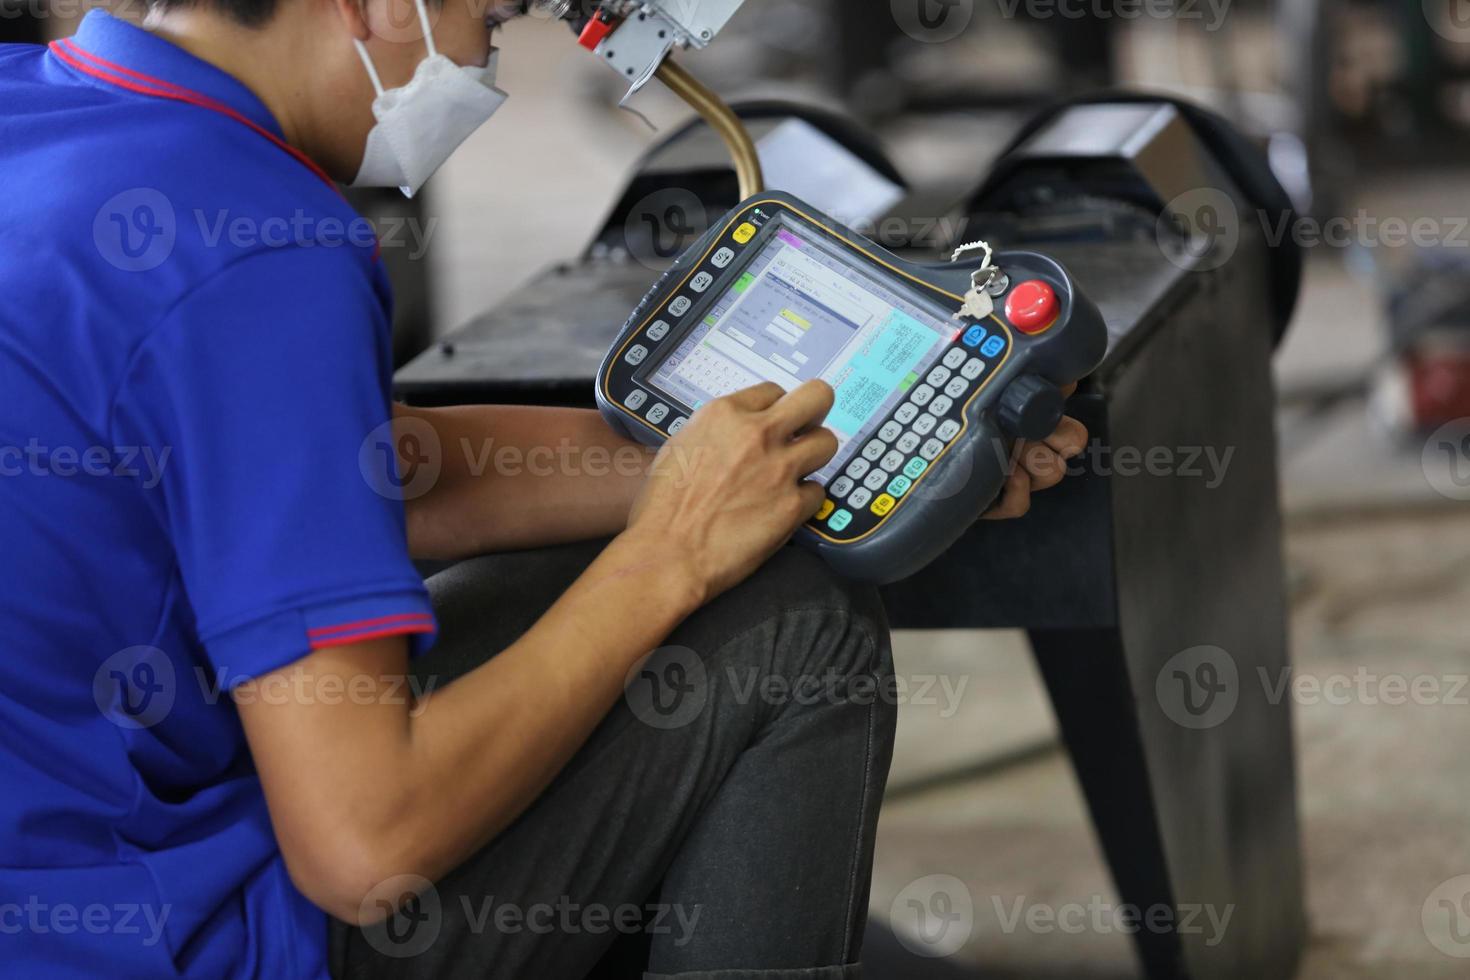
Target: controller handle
1030 408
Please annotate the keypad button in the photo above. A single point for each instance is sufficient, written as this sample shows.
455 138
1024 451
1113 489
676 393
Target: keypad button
957 387
701 282
940 406
938 376
677 424
659 330
915 468
890 431
908 442
993 346
839 520
876 479
931 449
658 413
906 413
925 424
973 368
636 354
860 498
841 487
974 336
948 430
680 305
744 234
722 258
892 461
857 468
955 358
875 449
636 400
920 396
825 510
883 505
899 486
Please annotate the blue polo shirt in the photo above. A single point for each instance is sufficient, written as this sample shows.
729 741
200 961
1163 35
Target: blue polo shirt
196 488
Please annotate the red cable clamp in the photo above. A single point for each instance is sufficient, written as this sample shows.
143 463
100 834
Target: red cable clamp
597 29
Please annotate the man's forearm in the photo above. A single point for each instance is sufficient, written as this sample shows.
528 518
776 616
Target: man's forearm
368 788
516 477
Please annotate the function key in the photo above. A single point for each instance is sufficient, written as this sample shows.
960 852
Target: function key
722 258
948 430
636 354
938 376
973 368
825 510
955 358
883 505
680 305
677 424
974 336
906 413
840 520
890 431
701 282
899 486
841 487
931 449
915 468
993 346
921 395
636 399
742 235
659 330
658 413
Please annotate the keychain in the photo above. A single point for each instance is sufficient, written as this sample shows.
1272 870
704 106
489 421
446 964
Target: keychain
986 283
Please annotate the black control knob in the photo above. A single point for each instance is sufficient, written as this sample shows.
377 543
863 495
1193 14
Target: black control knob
1031 408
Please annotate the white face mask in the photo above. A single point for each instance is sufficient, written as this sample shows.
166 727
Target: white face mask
420 124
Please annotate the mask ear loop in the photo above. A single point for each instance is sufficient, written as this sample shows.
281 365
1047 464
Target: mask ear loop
367 63
423 9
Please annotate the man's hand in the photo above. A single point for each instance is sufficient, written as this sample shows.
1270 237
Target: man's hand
730 488
1038 466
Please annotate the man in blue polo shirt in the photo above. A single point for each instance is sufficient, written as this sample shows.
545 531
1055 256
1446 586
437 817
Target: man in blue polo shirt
212 741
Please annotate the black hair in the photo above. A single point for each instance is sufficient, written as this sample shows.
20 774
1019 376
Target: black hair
249 13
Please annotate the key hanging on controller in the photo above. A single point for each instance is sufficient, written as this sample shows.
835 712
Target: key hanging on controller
985 283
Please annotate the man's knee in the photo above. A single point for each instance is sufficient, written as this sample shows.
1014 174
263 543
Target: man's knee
801 632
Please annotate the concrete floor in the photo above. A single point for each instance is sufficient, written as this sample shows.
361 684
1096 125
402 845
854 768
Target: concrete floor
1381 575
1385 786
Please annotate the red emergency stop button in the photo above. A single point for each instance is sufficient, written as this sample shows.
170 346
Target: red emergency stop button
1032 306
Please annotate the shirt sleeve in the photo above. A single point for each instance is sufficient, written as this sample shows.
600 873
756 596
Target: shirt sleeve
268 387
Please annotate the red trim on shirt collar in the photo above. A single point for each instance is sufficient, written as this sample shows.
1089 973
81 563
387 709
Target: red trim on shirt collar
88 63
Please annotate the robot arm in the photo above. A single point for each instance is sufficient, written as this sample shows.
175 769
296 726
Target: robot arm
634 38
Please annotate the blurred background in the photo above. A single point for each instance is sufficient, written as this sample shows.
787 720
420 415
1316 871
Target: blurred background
1364 110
